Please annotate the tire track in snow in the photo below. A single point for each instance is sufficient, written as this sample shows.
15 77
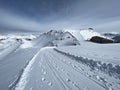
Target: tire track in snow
22 80
57 75
68 80
76 69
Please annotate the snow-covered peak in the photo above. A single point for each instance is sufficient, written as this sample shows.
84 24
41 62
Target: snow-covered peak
88 34
114 32
84 34
76 34
57 38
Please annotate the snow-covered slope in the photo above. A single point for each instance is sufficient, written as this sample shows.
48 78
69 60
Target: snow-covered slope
76 33
54 60
57 38
84 34
9 49
88 34
54 71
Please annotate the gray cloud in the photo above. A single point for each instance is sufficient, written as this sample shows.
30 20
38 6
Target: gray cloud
13 21
101 15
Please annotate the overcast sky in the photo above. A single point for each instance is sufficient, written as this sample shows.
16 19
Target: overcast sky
40 15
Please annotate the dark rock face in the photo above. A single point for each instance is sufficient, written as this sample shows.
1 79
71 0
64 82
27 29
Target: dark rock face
116 39
98 39
90 28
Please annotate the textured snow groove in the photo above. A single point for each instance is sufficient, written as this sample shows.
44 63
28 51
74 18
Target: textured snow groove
57 75
10 49
111 70
77 70
104 86
23 80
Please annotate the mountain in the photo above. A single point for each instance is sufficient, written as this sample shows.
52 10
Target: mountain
111 34
114 36
88 34
58 38
58 60
84 34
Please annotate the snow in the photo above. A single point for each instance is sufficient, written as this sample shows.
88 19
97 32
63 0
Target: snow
88 34
8 47
26 44
2 37
56 77
76 33
58 60
57 38
106 52
114 32
84 34
23 80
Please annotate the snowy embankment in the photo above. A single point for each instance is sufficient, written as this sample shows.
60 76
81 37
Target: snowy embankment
108 68
15 53
8 47
25 73
108 53
24 39
10 42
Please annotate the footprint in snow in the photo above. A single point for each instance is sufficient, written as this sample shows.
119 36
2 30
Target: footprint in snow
49 84
31 88
68 80
43 79
62 69
45 73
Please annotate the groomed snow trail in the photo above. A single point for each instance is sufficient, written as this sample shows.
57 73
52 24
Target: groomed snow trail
49 70
23 80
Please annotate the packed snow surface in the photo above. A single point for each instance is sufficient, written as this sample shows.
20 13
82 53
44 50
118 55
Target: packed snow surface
58 60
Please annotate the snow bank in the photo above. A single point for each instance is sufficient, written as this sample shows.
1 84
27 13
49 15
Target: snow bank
23 79
108 68
8 48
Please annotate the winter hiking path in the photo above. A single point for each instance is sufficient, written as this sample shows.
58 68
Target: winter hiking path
48 71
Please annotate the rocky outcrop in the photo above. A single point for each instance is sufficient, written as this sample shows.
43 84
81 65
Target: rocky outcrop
98 39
